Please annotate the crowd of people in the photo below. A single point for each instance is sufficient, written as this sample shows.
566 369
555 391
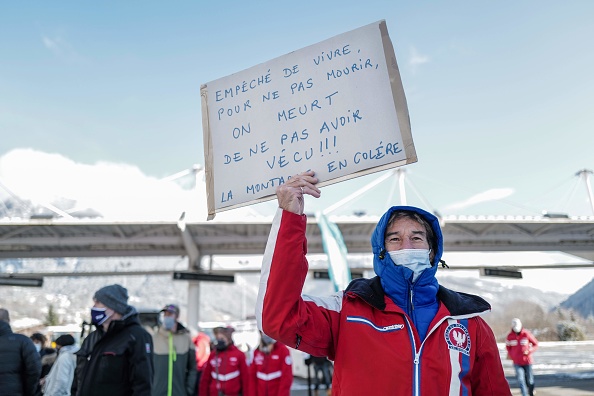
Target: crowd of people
124 357
400 332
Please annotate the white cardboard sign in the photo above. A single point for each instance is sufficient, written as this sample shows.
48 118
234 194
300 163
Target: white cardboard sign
336 107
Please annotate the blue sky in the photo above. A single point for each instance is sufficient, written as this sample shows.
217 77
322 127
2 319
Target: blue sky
500 94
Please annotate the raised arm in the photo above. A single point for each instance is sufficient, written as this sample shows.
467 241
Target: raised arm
300 322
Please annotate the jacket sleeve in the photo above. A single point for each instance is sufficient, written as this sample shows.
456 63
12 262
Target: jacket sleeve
488 378
59 379
533 341
253 380
245 374
140 364
191 370
205 378
508 346
32 363
81 363
287 373
304 323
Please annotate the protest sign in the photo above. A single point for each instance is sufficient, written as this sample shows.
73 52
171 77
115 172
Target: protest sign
336 107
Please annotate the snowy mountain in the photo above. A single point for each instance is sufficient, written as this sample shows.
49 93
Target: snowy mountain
500 295
582 301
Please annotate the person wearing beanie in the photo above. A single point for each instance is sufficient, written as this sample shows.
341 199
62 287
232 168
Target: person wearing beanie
64 340
117 358
114 297
4 315
520 345
59 380
398 333
174 356
20 365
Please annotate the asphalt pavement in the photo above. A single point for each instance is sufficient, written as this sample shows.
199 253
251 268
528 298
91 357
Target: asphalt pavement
554 385
546 385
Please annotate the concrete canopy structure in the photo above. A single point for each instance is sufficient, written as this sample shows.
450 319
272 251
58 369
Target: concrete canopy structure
98 238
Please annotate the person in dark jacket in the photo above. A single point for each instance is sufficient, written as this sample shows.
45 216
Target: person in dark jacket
117 358
20 365
322 372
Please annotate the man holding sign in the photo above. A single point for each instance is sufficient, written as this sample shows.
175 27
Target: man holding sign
398 333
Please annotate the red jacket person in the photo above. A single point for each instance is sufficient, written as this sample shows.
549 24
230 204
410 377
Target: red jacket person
226 372
271 371
399 333
520 345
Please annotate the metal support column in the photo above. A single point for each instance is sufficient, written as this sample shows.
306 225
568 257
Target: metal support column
193 304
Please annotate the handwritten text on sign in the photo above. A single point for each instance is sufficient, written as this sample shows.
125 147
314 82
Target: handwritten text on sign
329 107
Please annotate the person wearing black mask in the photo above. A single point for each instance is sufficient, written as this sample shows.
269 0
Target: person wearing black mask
117 358
226 371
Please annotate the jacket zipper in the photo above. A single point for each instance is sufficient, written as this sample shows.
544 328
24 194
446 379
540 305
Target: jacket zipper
411 313
417 358
417 369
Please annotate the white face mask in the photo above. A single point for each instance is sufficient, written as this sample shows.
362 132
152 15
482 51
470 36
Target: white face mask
37 347
168 322
416 260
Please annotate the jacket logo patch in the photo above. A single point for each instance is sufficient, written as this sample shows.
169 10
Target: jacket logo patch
458 338
383 329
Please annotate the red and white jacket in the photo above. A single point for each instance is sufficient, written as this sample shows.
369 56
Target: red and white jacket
225 371
271 374
520 347
374 345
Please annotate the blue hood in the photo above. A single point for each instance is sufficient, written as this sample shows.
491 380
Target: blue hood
377 238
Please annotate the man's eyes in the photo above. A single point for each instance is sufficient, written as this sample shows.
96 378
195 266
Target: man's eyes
414 239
